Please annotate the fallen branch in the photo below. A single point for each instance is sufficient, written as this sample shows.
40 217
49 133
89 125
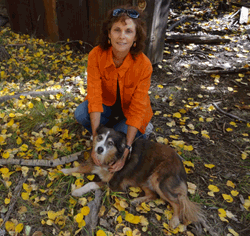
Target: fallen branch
186 39
15 195
92 218
228 114
183 19
32 93
47 163
228 71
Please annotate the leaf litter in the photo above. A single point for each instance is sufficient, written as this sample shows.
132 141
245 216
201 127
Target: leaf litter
215 146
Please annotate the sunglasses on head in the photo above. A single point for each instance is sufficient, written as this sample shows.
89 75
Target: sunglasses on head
131 13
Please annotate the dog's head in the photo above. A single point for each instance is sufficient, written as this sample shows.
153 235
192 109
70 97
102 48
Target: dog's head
109 144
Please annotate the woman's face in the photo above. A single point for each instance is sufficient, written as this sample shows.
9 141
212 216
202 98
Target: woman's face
122 35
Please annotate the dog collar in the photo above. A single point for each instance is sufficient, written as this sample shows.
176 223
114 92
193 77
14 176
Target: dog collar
129 148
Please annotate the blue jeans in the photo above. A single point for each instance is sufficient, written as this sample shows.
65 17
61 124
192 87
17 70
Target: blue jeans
82 116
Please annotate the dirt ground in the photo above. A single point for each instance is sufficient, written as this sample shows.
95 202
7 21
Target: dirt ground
186 85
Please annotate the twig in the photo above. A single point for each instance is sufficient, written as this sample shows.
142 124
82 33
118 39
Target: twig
48 163
183 19
229 71
17 191
32 93
91 219
228 114
232 144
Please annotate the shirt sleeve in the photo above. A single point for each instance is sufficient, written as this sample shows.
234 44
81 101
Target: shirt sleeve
140 100
94 84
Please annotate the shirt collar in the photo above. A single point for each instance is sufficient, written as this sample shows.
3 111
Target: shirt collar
125 65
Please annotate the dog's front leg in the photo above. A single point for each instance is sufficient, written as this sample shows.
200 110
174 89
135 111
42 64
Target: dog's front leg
85 168
87 188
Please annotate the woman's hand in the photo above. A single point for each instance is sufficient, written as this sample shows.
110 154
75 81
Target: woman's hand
94 157
120 163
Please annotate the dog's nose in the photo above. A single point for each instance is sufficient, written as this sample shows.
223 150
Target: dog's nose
99 150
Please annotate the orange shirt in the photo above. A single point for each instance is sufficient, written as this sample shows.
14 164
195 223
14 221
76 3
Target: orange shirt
133 76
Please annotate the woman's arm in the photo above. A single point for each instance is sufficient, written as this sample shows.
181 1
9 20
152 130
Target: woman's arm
131 133
95 118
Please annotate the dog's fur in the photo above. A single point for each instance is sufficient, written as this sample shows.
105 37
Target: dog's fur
154 167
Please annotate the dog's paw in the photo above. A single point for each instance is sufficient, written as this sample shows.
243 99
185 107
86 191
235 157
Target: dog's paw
174 222
66 171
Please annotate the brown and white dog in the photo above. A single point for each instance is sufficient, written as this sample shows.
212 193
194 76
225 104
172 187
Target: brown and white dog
154 167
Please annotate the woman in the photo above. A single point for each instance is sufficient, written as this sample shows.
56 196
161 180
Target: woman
118 80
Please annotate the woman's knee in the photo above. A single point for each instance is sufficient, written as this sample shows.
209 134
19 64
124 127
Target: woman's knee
81 113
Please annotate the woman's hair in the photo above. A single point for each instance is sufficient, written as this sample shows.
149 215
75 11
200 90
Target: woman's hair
141 30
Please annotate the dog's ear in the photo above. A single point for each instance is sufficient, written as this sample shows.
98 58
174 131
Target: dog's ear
99 128
121 144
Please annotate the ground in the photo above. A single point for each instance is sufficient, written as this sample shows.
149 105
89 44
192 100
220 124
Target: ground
201 107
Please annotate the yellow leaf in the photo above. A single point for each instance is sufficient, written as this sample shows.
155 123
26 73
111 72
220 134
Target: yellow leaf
145 206
234 193
201 119
135 189
247 204
234 233
90 177
229 130
79 217
227 197
6 201
157 113
132 219
183 111
100 233
230 184
188 163
18 141
10 123
119 219
230 89
211 194
222 212
133 194
191 188
25 195
12 115
213 188
204 134
30 105
243 155
209 119
19 228
79 182
177 115
188 148
6 155
210 166
158 217
9 226
233 124
85 210
24 147
159 86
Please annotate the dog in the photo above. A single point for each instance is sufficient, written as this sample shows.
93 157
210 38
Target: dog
156 168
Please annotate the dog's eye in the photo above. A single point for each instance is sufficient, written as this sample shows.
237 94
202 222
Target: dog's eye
110 143
99 137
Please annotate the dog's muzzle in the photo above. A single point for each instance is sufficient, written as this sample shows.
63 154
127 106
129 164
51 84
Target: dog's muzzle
100 150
